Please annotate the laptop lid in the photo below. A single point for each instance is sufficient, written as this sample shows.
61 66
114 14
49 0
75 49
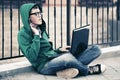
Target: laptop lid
80 37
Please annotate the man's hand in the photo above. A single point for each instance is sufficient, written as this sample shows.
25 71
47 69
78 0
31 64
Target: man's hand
65 49
35 31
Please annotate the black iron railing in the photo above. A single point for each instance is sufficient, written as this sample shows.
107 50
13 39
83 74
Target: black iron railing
61 17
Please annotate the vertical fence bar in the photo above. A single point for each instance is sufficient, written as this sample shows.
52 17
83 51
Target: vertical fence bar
117 12
68 22
97 21
10 28
2 29
86 12
61 26
75 13
112 24
107 22
117 29
118 18
55 23
102 21
81 14
92 24
48 17
19 21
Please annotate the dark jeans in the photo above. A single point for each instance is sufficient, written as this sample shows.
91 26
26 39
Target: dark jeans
67 60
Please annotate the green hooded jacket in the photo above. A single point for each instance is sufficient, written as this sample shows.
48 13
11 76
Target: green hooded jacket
37 50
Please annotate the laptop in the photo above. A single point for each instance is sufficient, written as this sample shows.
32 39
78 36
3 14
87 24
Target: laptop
80 38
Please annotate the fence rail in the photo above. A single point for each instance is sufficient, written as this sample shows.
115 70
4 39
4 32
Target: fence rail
62 16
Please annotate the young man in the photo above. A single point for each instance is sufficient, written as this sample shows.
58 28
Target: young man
34 44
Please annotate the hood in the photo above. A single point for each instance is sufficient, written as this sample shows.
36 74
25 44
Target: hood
24 11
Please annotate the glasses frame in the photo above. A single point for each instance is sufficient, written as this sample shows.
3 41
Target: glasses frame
36 13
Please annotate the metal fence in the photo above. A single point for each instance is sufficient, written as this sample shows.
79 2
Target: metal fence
62 16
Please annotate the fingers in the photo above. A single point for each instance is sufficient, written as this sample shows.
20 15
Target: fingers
68 46
35 31
63 49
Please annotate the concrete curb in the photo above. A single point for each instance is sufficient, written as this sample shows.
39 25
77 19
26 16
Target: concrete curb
15 68
110 52
25 66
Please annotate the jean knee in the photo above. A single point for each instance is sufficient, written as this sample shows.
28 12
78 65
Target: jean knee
96 50
69 59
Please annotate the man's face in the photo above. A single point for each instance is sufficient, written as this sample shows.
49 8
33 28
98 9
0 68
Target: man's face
36 16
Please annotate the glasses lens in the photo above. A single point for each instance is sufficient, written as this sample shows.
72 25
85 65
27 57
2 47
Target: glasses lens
36 14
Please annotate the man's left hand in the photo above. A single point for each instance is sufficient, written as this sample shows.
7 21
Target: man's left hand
65 49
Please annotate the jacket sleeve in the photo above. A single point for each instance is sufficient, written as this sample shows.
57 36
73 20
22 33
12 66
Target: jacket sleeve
29 48
57 50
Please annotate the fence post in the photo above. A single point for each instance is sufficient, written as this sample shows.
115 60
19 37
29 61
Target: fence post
68 22
118 10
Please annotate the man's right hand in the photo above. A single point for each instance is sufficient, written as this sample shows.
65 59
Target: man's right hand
33 27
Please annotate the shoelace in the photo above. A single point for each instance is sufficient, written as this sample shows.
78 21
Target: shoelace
94 69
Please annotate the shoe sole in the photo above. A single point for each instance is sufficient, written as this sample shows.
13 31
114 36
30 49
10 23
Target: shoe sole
68 73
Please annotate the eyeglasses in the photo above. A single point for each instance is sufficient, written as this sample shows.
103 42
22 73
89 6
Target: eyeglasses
36 13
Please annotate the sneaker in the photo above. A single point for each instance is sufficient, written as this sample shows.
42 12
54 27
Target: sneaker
68 73
97 69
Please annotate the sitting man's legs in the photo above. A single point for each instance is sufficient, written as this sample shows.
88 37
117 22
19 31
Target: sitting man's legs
63 62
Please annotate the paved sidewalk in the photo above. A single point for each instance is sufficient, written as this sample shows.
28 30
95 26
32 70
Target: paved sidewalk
112 72
111 60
